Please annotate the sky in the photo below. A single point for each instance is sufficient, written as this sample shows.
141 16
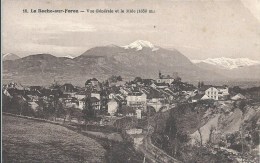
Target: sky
199 29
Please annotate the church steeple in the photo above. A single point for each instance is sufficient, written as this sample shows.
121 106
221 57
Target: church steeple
160 74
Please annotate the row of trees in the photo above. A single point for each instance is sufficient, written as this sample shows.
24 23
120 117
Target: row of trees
51 108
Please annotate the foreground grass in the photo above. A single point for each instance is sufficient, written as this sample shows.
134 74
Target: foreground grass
30 141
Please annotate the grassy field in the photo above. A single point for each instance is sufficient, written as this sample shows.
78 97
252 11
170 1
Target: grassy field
30 141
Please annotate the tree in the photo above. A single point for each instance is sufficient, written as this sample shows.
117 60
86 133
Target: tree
54 101
6 101
236 90
199 85
242 106
119 78
211 134
151 110
114 78
18 104
70 111
105 84
55 85
88 111
45 110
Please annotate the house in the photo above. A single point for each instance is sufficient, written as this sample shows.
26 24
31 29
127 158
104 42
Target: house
238 96
125 91
81 104
68 88
65 97
116 83
136 136
155 99
154 95
95 103
127 111
202 89
217 92
33 98
212 93
95 94
7 93
80 95
73 103
160 85
111 95
134 131
34 106
165 79
11 92
137 100
12 85
16 86
35 88
199 97
147 82
70 101
112 107
138 139
120 99
223 90
92 82
138 113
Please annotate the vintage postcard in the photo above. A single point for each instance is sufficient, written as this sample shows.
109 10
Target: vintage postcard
130 81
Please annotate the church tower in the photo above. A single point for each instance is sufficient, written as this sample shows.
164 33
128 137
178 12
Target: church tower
160 74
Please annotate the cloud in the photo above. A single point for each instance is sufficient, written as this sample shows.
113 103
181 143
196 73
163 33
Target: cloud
58 27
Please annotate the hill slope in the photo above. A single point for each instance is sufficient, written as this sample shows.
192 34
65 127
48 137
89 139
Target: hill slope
29 141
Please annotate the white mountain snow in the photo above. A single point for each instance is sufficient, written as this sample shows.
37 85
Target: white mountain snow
228 63
69 56
10 56
140 44
6 54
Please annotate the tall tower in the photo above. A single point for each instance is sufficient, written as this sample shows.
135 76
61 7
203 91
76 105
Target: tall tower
160 74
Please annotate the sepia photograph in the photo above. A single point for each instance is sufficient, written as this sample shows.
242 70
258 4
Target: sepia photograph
130 81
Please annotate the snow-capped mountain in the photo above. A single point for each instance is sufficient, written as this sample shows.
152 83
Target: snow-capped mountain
10 56
69 56
140 44
228 63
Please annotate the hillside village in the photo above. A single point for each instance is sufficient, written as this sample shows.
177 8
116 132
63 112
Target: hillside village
115 97
105 103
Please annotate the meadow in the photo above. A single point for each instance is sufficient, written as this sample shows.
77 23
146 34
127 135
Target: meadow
31 141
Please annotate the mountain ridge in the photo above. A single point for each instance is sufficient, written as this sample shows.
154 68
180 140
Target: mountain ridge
10 56
102 62
228 63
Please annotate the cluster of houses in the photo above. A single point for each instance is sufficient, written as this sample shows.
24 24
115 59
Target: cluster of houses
132 98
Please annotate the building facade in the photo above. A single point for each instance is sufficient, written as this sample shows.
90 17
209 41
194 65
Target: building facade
137 100
212 93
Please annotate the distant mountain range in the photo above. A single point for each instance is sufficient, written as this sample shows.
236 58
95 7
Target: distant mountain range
228 63
10 56
140 58
236 69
